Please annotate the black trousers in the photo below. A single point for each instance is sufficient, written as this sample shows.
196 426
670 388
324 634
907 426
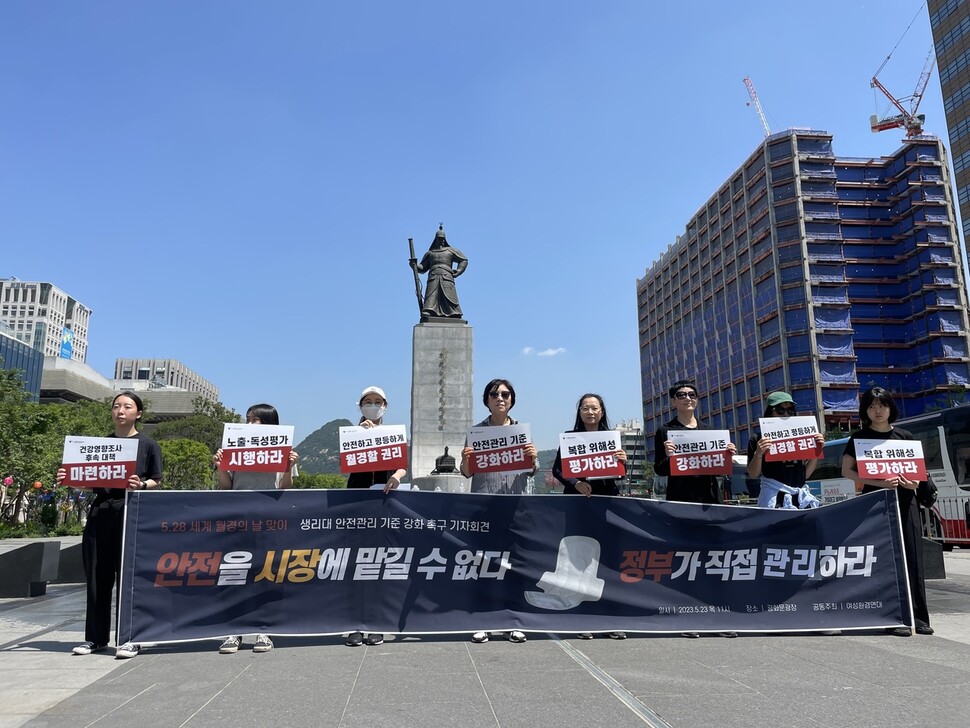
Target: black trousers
101 556
913 545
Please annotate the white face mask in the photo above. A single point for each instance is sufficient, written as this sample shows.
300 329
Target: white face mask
373 411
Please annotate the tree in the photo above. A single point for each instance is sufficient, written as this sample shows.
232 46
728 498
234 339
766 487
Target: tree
186 465
21 434
205 425
319 480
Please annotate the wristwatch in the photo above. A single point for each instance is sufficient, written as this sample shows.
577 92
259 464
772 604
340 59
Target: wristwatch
143 485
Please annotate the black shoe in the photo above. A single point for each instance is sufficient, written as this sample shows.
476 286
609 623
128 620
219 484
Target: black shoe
354 639
374 639
924 629
899 631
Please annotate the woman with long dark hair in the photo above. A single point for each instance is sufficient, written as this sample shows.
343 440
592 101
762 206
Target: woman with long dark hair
591 416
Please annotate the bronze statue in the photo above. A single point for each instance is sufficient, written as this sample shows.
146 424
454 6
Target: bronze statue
440 295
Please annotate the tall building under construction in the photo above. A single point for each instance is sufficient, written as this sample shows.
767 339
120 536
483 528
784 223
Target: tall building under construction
814 274
950 23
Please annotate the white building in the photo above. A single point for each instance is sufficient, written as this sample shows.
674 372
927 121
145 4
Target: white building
45 318
143 374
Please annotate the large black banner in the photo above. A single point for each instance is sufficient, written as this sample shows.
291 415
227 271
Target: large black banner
202 564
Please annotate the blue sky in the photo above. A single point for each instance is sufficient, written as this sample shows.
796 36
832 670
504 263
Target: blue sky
233 184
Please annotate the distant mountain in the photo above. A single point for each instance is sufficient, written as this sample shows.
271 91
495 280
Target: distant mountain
320 450
547 458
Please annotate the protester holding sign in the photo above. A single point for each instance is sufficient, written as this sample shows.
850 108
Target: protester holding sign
262 415
259 414
101 541
590 417
877 412
687 488
372 405
499 398
790 472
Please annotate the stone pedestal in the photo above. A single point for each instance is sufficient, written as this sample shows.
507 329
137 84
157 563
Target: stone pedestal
441 392
448 483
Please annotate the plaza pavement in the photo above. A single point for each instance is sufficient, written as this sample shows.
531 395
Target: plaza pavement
853 680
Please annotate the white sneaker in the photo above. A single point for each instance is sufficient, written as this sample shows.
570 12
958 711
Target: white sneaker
126 651
516 636
230 645
480 637
585 635
263 643
86 648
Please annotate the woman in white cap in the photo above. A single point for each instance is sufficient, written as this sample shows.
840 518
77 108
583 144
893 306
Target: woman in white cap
372 405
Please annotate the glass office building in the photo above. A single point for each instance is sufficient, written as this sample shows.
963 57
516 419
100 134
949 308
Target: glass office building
814 274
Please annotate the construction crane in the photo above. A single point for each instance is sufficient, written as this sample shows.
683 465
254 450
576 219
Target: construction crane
749 84
906 119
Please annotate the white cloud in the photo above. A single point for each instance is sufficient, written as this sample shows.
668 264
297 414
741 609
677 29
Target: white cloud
527 350
552 352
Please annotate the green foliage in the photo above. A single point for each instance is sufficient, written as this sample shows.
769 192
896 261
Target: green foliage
187 465
32 443
23 530
319 480
205 425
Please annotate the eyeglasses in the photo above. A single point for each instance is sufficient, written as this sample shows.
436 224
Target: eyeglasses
592 410
495 394
784 410
686 395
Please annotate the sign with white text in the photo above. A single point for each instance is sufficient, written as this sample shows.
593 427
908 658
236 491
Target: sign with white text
256 448
700 452
885 459
500 449
590 455
99 462
203 564
792 438
366 449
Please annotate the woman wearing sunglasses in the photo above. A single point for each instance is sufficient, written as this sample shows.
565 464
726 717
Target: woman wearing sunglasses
686 488
792 473
499 397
